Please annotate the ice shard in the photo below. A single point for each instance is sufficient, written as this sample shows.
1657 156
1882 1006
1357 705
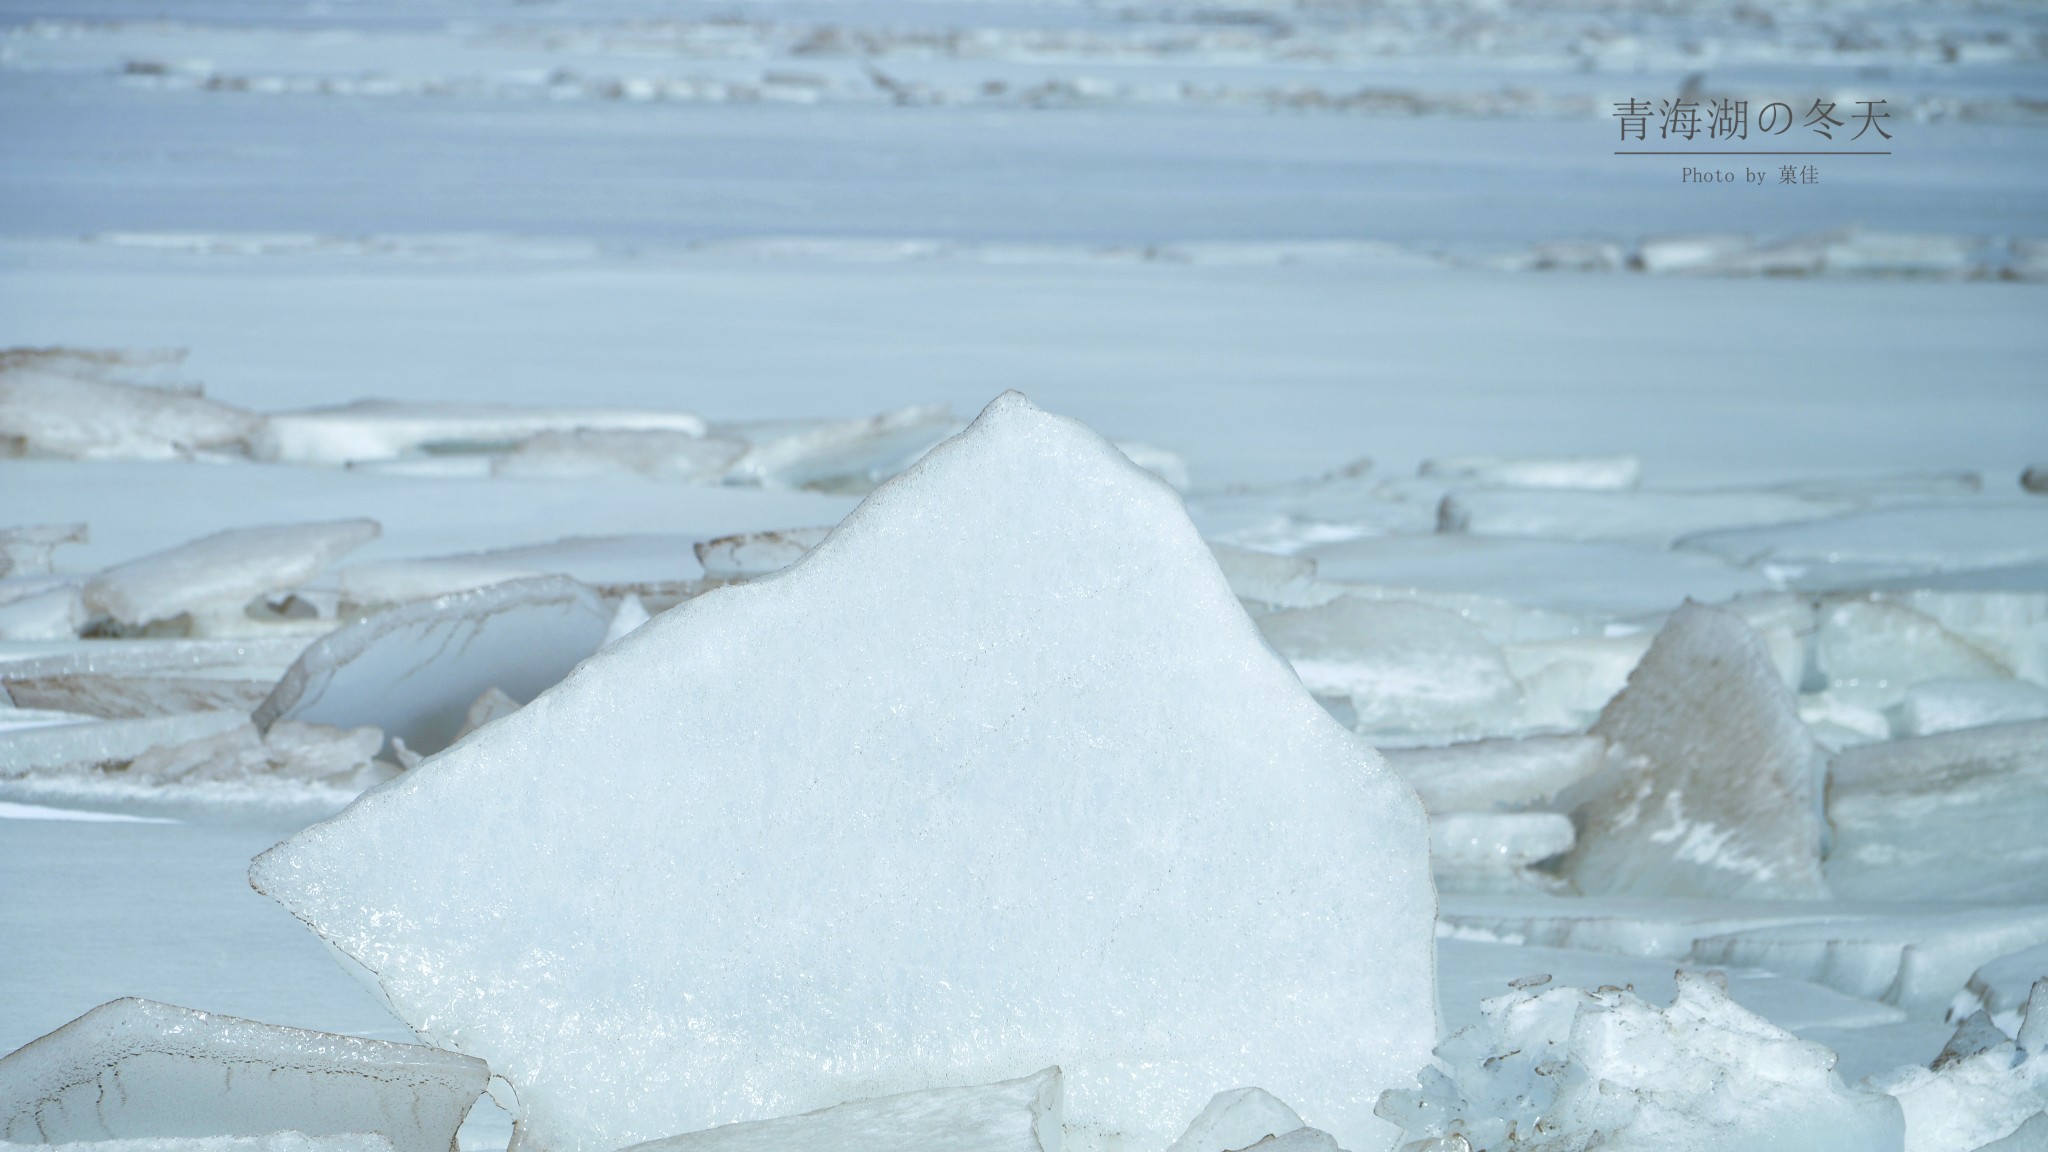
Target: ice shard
1712 785
415 671
1049 800
221 573
136 1068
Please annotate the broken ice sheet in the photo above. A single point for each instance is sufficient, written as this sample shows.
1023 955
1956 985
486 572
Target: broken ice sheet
1656 518
1021 1115
1887 542
136 1068
100 405
1585 473
750 554
1936 706
129 697
1410 671
218 575
1047 718
1561 1069
679 456
652 564
1957 815
849 456
415 670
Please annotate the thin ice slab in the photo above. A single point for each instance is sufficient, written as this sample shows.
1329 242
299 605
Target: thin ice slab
414 671
1021 1115
136 1068
221 573
1050 781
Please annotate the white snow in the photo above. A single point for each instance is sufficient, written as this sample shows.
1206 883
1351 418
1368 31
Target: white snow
221 573
1712 785
136 1068
1021 1115
414 671
1041 782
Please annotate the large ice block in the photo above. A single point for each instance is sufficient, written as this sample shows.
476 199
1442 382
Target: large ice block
1955 816
415 670
1712 785
1562 1070
224 571
999 776
136 1068
1021 1115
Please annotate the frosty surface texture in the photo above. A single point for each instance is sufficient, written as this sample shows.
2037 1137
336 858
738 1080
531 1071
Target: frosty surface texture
1000 776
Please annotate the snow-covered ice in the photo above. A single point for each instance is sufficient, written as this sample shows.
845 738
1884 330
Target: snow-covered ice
414 671
984 796
1712 786
136 1068
1021 1115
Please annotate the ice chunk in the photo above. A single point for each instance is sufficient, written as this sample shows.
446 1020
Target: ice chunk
1236 1119
415 670
1918 961
222 572
1492 851
630 614
751 554
584 452
2001 986
1888 542
1271 579
137 1068
290 750
844 455
54 611
2010 625
652 565
129 697
1497 774
1299 1140
1161 462
1947 705
2031 1136
492 705
1982 1089
1953 816
1597 579
1567 681
1046 719
1871 650
387 429
1021 1115
76 404
1646 517
1561 1070
31 750
1407 668
1598 473
25 551
1666 929
274 1142
1712 785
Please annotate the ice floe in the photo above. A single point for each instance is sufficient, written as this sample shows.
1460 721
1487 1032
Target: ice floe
1047 719
89 405
135 1069
370 430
